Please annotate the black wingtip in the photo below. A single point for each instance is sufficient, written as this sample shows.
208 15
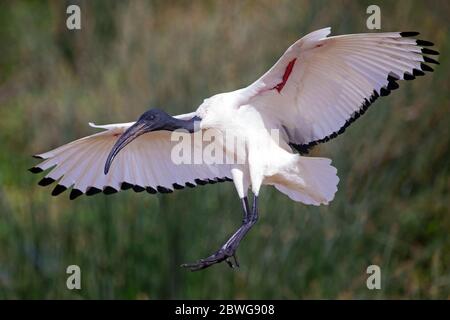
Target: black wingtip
162 189
58 189
375 95
418 73
408 76
426 67
409 33
109 190
430 51
384 92
75 193
392 85
37 156
393 77
46 181
424 43
35 170
151 190
200 182
92 190
137 188
177 186
125 186
430 60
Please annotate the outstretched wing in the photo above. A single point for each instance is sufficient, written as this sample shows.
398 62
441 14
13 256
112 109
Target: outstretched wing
321 85
145 164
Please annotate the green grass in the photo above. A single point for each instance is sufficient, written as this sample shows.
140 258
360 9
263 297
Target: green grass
391 209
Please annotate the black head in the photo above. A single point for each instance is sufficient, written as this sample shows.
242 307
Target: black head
154 119
151 120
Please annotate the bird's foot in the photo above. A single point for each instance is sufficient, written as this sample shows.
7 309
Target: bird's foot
227 254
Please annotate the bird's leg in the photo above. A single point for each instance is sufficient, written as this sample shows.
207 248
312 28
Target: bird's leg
228 250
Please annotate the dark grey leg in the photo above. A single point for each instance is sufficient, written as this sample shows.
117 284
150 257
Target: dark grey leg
228 250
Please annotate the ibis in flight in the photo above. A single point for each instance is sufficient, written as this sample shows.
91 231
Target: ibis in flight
318 87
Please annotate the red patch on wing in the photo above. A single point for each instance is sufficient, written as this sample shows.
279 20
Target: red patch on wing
286 75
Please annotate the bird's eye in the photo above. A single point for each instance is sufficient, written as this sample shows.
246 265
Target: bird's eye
152 117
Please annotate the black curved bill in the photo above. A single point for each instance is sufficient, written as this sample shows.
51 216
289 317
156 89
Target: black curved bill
129 135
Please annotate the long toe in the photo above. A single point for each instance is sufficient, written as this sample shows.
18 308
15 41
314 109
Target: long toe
217 257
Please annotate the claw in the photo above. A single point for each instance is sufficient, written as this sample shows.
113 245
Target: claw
230 263
219 256
236 262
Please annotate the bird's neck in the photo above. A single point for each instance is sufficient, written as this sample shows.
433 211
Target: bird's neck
191 125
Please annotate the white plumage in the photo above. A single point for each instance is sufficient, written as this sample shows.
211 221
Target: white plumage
312 93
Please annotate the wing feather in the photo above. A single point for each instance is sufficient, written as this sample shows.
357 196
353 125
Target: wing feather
144 164
324 83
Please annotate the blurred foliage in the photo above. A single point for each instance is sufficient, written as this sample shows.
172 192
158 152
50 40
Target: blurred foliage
392 207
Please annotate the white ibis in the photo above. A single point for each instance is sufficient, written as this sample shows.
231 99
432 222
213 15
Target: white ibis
318 87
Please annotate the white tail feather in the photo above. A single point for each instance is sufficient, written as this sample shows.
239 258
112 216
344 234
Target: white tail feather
312 181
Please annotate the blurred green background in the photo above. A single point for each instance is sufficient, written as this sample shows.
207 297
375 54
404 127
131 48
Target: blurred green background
392 207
